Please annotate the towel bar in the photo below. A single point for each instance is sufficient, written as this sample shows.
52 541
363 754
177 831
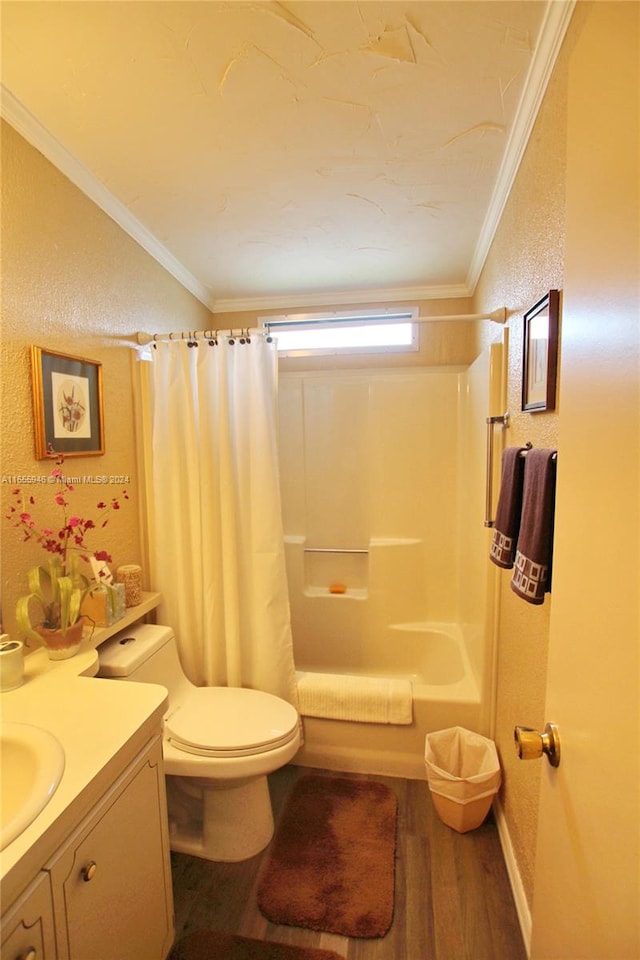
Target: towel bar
504 421
523 453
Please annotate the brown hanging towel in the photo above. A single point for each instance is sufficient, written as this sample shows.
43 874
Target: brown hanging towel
532 574
507 525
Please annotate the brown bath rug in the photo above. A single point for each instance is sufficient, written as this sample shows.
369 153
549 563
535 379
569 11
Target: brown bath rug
331 866
212 945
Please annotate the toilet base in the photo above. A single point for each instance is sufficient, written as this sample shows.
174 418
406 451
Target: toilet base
231 820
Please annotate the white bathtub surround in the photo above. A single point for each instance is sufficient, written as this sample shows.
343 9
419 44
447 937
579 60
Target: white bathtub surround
213 502
434 659
383 478
362 699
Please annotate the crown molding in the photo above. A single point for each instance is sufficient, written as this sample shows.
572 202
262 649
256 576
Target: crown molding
337 298
17 115
554 26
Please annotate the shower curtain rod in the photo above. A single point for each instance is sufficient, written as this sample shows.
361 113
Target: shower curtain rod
496 316
192 336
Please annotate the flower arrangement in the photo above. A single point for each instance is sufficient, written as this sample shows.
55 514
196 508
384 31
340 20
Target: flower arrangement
59 588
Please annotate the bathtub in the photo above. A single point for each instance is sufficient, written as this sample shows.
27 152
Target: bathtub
445 694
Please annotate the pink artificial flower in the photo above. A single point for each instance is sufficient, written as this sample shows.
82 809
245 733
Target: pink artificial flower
70 536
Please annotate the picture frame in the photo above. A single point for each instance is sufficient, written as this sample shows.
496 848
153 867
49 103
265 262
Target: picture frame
67 404
540 354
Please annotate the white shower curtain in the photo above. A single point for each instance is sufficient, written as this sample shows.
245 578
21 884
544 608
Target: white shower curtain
216 546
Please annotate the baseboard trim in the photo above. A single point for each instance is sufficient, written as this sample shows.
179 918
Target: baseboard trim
522 905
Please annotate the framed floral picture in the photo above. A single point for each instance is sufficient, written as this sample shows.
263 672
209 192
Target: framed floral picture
540 354
67 404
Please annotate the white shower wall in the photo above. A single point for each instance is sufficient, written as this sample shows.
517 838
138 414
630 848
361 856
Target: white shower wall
391 463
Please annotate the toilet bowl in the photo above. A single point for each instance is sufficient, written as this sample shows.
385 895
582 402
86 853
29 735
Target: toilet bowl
219 745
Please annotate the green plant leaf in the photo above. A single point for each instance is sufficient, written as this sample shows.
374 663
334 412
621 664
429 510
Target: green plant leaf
34 577
23 618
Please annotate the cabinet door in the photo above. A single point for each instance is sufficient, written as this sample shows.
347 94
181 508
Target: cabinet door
114 876
27 929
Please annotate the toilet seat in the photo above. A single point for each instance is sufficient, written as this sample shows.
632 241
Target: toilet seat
231 722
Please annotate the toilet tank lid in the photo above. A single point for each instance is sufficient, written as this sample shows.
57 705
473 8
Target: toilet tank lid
126 651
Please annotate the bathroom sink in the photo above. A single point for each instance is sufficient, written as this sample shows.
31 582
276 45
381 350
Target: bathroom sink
31 766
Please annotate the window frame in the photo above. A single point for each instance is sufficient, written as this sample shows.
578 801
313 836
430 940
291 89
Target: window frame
327 320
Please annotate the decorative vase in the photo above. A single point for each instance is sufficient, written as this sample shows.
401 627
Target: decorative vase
62 644
131 576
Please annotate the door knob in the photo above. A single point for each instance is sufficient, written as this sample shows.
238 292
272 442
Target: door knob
530 744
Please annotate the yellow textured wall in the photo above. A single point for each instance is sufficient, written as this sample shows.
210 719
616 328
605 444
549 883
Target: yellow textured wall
525 262
73 282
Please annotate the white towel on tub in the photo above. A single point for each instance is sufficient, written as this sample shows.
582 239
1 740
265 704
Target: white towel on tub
336 696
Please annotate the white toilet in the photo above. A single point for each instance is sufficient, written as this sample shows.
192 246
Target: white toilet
219 745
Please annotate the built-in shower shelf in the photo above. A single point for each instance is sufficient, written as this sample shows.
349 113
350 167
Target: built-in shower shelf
344 568
351 593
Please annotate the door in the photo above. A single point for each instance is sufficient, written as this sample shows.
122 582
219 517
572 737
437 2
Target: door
586 897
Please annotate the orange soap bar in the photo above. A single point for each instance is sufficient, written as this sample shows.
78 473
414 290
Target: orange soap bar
337 588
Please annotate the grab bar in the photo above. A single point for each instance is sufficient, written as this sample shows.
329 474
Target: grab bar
488 508
333 550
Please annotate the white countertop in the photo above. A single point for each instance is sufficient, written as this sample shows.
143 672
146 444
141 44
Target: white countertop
101 724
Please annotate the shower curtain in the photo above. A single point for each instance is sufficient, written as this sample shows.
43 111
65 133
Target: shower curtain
216 545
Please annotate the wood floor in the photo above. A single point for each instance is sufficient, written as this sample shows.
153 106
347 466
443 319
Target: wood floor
453 900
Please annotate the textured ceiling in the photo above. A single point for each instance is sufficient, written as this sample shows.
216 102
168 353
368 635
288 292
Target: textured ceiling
281 152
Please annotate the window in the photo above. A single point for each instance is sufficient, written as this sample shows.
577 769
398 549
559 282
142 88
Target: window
304 335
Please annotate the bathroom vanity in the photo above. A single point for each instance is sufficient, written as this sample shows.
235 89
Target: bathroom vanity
90 877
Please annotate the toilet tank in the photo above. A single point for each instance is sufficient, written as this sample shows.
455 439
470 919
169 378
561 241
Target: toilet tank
146 653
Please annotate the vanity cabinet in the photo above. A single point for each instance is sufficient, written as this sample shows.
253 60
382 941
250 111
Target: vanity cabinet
111 880
28 929
105 894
